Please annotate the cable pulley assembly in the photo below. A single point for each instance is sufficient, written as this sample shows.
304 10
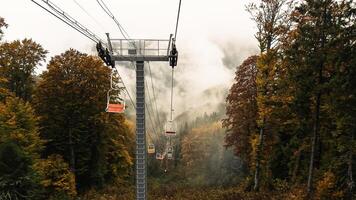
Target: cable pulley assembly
105 55
173 57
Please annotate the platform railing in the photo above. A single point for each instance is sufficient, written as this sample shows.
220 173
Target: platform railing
140 47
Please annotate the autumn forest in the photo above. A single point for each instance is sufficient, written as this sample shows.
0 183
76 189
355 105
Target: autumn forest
285 130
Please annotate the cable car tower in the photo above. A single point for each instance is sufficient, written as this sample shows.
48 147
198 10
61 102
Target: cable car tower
133 50
139 51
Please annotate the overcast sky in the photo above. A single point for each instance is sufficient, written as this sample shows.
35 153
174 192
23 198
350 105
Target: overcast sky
214 36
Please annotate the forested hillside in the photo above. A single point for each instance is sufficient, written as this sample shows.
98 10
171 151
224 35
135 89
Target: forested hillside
291 111
56 142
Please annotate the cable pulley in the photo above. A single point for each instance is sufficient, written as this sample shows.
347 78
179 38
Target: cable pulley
173 57
105 55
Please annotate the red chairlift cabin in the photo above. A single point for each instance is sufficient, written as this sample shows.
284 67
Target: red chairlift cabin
115 108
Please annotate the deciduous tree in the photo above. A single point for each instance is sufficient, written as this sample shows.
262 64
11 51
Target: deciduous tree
18 61
271 18
241 110
71 100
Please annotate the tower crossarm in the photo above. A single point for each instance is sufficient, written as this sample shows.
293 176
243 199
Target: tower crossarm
140 49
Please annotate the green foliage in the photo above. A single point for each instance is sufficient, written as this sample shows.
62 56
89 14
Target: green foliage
111 192
313 59
200 158
21 146
70 99
18 124
17 180
272 21
18 61
200 154
327 188
173 192
305 92
4 93
301 88
56 178
117 148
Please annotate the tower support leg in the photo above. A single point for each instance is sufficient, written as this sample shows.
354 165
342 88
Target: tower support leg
141 160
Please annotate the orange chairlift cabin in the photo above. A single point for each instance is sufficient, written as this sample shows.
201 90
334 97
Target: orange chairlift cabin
115 103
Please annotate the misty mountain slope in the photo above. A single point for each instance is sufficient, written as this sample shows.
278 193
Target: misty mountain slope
210 101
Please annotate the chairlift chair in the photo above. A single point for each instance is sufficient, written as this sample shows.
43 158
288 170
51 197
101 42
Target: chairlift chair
170 153
170 129
151 149
117 106
159 156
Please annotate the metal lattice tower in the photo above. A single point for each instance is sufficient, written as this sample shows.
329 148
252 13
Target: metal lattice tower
139 51
141 160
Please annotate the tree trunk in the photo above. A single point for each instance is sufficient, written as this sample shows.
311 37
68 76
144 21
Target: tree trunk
313 145
72 155
296 167
316 127
258 159
351 183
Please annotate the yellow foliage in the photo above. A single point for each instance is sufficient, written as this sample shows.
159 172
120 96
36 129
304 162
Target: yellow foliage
266 76
130 124
56 176
254 144
18 123
326 188
195 144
